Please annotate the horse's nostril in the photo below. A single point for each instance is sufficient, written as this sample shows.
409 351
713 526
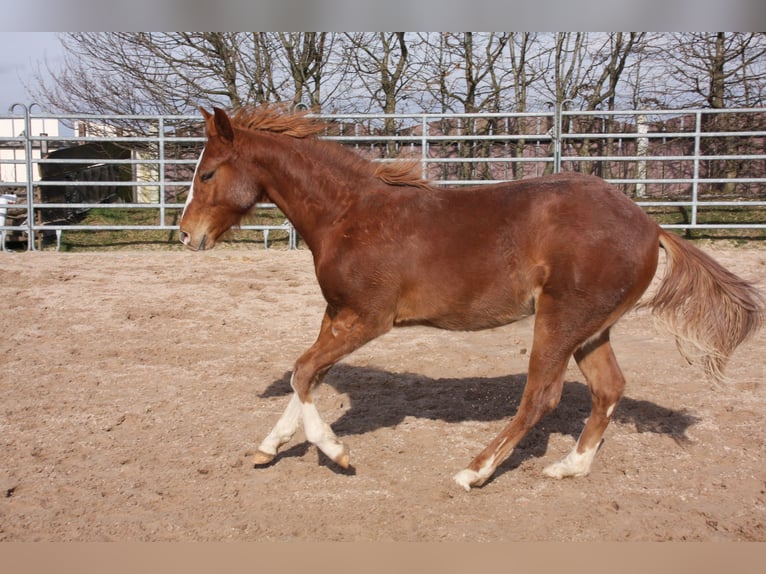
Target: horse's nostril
184 237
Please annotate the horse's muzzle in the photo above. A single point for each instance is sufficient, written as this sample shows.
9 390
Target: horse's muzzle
186 239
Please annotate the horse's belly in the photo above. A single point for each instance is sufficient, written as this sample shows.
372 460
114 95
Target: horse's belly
464 314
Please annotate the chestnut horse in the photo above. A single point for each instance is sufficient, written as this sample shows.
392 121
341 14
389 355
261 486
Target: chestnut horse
391 250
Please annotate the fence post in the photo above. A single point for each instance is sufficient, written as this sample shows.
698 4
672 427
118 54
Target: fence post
556 132
161 167
556 135
29 174
697 148
424 148
642 150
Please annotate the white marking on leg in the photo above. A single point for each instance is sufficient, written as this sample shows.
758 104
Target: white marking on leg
468 478
574 464
285 428
610 410
319 433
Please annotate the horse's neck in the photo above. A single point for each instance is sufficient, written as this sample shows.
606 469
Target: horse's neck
303 191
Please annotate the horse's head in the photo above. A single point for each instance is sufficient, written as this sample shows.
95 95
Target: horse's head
222 192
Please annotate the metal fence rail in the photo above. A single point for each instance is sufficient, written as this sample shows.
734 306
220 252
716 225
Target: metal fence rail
694 162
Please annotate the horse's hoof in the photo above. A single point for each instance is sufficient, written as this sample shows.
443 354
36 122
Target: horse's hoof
344 460
467 478
262 458
556 470
563 469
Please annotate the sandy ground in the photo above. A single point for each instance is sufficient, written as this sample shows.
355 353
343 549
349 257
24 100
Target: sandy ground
136 386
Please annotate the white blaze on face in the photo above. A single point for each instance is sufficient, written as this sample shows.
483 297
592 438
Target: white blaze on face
190 195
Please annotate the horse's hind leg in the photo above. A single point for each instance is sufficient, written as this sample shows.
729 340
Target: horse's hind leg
541 394
606 382
551 349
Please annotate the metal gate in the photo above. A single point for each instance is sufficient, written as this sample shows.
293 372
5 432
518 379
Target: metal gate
698 169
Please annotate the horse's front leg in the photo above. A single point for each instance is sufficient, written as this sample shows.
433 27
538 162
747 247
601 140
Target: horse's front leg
282 432
341 333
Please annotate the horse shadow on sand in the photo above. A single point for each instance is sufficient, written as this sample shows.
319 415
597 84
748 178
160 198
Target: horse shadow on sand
382 399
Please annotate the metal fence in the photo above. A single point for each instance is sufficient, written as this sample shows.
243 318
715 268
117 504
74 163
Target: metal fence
692 169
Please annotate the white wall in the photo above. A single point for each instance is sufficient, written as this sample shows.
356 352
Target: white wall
10 151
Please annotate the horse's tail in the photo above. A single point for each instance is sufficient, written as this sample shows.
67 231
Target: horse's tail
709 309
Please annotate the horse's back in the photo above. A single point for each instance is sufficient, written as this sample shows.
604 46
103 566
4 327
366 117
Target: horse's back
565 216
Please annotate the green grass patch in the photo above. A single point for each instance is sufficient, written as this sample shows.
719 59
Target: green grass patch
674 215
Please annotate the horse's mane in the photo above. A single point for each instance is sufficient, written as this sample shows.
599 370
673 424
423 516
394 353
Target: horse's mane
277 118
403 172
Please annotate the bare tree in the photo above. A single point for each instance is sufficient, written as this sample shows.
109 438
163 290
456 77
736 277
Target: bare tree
127 72
720 70
261 85
523 60
612 57
172 73
306 55
466 76
134 73
381 64
617 52
717 69
586 71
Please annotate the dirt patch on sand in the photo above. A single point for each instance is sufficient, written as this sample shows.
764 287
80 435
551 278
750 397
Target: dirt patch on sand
135 388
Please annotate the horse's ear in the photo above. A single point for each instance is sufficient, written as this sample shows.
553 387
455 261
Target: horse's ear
223 125
209 123
218 124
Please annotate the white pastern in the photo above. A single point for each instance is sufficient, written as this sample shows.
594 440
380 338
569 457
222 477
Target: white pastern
574 464
468 478
319 433
190 195
285 428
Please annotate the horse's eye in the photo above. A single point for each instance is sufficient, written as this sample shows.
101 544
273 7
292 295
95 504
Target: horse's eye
207 175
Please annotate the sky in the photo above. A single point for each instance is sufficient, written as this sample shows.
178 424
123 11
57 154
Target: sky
20 54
